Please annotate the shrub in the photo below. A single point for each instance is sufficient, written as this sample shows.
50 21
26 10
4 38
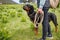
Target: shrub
23 19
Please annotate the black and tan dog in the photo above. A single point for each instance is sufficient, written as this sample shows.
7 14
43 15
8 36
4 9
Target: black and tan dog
31 13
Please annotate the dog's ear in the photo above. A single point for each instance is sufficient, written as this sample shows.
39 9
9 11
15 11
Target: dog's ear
31 7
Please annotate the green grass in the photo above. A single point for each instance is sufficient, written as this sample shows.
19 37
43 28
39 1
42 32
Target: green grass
16 25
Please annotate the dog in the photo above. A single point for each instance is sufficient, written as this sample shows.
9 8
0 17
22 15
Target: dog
31 13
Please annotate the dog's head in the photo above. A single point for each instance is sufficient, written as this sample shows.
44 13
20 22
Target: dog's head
28 7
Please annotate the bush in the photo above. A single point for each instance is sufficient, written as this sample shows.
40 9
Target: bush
4 35
23 19
19 14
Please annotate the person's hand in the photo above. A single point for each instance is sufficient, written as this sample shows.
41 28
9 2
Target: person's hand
40 10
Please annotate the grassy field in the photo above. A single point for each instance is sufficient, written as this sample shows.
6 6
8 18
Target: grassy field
16 25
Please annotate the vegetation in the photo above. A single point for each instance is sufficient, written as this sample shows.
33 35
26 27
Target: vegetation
16 25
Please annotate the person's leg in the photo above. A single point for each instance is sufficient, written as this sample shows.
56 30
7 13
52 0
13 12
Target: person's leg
49 31
49 35
45 23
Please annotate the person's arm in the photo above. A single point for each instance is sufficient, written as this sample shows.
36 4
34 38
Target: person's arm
42 2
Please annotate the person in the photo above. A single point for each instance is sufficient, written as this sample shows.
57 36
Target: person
43 6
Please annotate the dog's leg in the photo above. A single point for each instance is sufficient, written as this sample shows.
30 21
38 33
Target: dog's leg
54 19
56 29
36 30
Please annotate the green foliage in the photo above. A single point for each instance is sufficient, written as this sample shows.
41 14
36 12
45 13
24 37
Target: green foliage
4 35
15 24
19 14
23 19
32 26
7 13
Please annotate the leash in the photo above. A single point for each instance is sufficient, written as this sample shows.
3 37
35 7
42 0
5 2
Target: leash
37 19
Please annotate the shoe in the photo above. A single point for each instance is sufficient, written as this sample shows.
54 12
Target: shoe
49 36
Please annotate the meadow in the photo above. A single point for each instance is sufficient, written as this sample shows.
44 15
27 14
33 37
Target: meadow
16 25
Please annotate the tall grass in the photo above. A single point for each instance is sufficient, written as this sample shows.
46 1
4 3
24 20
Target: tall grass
16 25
